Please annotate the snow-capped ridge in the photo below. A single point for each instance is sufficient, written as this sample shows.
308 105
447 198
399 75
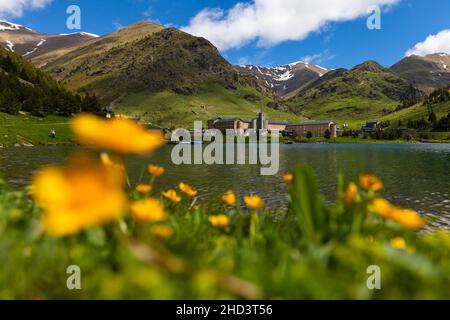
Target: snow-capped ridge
6 25
81 33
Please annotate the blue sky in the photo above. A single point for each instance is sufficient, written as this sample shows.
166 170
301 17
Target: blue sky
341 42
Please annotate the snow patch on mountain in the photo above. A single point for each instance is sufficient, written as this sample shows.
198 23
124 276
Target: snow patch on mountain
7 26
40 43
81 33
10 45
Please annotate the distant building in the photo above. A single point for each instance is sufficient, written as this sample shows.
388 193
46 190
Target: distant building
371 126
314 129
301 129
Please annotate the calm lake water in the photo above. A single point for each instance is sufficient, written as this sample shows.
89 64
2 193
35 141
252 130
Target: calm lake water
415 175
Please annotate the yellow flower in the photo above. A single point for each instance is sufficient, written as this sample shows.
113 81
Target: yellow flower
143 188
383 208
371 183
83 194
398 243
229 198
288 178
156 171
254 202
408 219
187 189
107 161
219 221
351 193
120 135
162 232
171 195
148 210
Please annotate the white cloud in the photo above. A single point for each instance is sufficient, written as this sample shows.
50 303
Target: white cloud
438 43
319 57
15 8
271 22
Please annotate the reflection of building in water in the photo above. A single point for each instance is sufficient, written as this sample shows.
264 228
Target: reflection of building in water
301 129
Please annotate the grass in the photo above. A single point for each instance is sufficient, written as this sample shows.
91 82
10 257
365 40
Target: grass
26 129
313 250
350 140
417 112
167 109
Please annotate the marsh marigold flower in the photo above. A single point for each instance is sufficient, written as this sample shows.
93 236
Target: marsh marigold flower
254 202
219 221
408 219
171 195
398 243
83 194
107 161
383 208
371 183
148 210
155 171
120 135
229 198
288 178
351 193
162 232
143 188
187 189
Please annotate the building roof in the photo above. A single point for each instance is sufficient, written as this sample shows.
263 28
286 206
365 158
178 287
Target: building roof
311 123
287 123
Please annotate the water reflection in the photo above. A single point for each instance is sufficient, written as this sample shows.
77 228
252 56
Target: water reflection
416 176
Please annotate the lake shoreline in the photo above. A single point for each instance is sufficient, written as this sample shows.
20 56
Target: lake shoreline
331 141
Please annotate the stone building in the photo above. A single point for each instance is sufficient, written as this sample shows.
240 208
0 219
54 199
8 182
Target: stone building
316 128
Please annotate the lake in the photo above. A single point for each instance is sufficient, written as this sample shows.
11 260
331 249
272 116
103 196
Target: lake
416 175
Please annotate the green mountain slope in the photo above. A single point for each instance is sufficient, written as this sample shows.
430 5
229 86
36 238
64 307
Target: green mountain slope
145 61
25 88
169 109
438 102
367 91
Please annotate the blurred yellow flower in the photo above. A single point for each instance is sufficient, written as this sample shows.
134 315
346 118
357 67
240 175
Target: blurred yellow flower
371 183
229 198
383 208
155 171
107 161
148 210
143 188
187 189
351 193
254 202
408 219
120 135
171 195
83 194
288 178
162 232
398 243
219 221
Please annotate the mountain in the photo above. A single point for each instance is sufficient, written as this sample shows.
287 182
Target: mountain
427 73
24 88
286 79
39 47
368 91
149 70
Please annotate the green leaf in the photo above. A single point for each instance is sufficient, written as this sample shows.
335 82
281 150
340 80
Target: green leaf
307 204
